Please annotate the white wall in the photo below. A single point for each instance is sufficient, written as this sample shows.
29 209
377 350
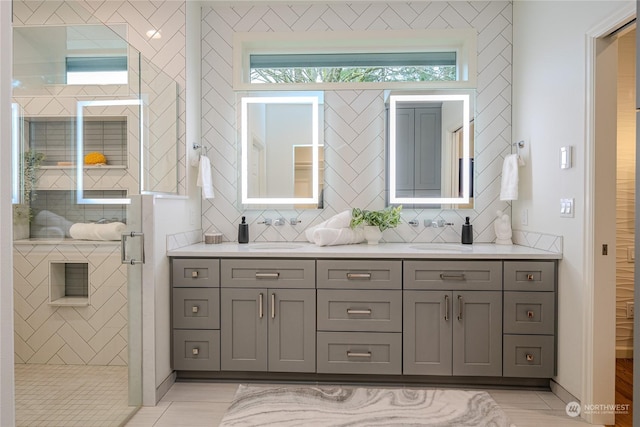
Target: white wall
549 98
7 408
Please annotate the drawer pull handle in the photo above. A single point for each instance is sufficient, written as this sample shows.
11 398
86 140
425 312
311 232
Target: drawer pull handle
195 351
195 309
260 302
446 307
194 274
529 357
267 275
452 276
460 306
356 354
359 276
357 311
530 314
530 277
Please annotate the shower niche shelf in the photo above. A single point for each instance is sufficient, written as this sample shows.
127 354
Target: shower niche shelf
69 283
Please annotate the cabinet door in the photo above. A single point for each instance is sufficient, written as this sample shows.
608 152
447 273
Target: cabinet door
243 332
477 333
427 156
292 330
427 333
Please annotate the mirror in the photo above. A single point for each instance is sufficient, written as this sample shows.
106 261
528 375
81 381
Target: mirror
430 159
281 150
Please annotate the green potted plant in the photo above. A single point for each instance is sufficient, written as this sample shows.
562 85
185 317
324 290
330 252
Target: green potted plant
375 222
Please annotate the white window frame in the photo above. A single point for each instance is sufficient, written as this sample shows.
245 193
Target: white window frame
462 41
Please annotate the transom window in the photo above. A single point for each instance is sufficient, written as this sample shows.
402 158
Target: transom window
353 67
103 70
390 59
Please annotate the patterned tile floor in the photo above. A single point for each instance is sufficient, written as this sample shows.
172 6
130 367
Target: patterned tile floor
71 395
204 404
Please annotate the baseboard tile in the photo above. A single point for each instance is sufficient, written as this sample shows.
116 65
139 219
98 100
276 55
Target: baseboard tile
562 393
164 387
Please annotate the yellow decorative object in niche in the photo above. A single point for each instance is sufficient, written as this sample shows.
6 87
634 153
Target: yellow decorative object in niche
95 158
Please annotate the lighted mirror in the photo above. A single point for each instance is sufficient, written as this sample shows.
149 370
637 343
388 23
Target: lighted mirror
281 150
430 150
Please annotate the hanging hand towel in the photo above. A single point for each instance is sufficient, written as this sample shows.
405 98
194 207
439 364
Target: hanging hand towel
204 178
509 183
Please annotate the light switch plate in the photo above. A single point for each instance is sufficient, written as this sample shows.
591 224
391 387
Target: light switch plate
567 208
565 157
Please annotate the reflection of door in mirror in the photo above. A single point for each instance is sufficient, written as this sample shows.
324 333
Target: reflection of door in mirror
419 139
303 173
459 138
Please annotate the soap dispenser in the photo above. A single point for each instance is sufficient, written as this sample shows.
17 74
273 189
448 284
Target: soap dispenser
467 232
243 232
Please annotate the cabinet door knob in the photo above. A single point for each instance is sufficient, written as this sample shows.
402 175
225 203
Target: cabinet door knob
194 309
530 314
530 277
195 351
194 274
529 357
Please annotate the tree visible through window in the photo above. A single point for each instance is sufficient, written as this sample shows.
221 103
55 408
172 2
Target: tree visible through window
343 68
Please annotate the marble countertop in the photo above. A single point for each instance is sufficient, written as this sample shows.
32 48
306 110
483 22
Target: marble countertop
362 250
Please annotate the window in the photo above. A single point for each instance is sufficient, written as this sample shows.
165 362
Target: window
109 70
399 59
353 67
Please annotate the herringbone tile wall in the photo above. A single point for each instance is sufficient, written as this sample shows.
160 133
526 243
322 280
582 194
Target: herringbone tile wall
354 119
89 335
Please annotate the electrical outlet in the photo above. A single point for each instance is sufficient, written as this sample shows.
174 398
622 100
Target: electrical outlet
630 305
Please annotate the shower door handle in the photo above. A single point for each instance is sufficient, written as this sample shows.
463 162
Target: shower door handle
123 248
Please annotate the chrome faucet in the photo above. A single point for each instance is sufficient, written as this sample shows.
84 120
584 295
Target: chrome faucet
279 221
436 223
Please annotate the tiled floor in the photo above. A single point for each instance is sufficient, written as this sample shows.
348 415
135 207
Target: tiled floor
204 404
71 395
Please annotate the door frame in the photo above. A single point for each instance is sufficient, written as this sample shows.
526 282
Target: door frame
598 385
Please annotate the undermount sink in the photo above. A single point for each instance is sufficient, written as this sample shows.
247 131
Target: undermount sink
274 245
441 247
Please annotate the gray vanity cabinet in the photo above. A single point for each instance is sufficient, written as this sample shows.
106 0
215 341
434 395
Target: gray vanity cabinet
195 314
264 328
452 318
529 318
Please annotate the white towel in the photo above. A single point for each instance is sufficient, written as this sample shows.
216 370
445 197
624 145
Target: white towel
109 231
509 183
204 178
338 236
341 220
47 218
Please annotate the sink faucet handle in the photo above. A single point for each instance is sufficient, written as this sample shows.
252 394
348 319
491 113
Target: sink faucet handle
413 223
267 221
294 221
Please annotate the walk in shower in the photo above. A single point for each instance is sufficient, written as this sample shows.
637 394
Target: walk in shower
94 127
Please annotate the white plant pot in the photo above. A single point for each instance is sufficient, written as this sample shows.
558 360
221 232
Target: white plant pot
373 234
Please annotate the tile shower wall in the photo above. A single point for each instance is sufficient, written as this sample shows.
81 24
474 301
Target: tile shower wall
354 119
88 335
166 53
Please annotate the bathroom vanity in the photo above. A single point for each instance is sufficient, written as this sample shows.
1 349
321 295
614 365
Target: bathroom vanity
394 311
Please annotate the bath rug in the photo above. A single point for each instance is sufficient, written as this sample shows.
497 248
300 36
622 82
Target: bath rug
297 405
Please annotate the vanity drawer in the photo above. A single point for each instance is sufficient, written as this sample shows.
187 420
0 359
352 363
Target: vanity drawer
359 353
529 276
196 350
266 273
195 272
456 275
359 274
529 356
196 308
529 313
351 310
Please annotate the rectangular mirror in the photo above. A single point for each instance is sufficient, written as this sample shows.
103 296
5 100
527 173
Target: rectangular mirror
429 154
281 149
